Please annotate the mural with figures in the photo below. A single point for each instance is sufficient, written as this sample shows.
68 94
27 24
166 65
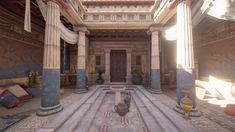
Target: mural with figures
18 58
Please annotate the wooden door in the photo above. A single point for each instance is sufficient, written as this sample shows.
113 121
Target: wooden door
118 65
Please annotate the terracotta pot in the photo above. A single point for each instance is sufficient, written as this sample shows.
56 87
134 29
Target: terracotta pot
137 80
100 81
121 109
230 109
186 103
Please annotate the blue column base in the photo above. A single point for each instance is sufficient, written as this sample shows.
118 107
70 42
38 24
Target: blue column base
155 84
186 80
45 111
80 91
193 113
155 91
50 99
81 81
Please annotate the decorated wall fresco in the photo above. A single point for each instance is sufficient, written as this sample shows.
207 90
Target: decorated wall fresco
18 58
215 49
218 59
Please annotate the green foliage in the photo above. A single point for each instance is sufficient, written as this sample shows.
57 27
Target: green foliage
137 72
32 78
100 80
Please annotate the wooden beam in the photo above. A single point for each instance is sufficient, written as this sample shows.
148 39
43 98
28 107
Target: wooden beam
15 1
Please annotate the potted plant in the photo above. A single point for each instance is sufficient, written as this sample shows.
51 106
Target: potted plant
100 80
137 78
33 79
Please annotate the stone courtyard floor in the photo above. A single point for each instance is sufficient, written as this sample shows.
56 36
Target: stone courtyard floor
212 113
104 119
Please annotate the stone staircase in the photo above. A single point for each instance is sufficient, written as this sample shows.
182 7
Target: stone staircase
157 116
78 117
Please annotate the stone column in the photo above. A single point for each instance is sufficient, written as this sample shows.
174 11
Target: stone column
155 84
107 66
81 59
128 70
185 55
50 100
149 64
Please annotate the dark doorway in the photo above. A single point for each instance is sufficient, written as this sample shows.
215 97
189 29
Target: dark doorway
118 65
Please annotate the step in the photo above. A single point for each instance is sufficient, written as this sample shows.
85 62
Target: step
85 122
160 118
182 124
64 115
150 122
72 122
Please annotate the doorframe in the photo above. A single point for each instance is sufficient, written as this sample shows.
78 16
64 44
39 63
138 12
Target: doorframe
111 61
108 64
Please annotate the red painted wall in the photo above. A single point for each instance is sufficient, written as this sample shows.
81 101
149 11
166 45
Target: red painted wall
18 58
217 59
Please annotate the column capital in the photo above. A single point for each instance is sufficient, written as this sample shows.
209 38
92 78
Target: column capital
55 1
107 50
61 3
128 50
174 3
154 28
81 28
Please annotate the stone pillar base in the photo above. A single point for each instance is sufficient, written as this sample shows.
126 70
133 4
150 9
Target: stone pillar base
80 91
155 91
128 79
81 82
193 113
45 111
106 79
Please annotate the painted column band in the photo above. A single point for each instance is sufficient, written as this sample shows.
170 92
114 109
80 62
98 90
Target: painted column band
185 80
155 79
81 79
51 83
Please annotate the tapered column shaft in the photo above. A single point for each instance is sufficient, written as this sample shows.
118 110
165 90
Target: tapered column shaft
155 84
107 66
50 100
81 63
185 55
128 75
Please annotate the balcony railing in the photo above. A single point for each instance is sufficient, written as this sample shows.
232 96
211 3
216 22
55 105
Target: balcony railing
118 18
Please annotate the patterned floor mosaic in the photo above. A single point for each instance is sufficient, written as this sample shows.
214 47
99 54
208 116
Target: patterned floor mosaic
107 121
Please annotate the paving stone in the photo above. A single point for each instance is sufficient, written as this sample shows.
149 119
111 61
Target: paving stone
205 123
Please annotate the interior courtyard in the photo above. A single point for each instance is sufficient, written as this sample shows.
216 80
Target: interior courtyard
117 65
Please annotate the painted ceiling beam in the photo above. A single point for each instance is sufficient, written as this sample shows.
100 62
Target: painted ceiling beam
118 25
16 1
162 13
156 5
80 5
71 12
67 35
118 2
199 11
